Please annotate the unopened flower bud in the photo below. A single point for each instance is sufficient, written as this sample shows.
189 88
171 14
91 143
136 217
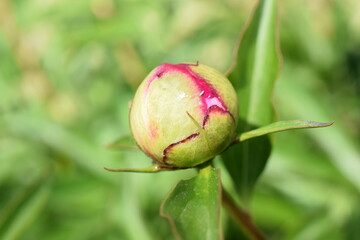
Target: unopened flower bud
184 114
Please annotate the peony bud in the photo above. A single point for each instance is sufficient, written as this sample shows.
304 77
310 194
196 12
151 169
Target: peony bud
184 114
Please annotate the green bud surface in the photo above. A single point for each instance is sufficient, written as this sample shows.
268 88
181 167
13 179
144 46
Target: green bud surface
184 114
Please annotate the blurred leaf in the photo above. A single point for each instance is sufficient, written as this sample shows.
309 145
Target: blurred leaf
281 126
86 154
125 142
131 64
253 75
352 225
193 206
28 211
342 149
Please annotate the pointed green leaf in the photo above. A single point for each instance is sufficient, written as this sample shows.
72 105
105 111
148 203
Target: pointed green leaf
193 206
281 126
125 142
253 75
256 66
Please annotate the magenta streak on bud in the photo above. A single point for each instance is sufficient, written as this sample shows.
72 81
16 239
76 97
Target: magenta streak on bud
207 93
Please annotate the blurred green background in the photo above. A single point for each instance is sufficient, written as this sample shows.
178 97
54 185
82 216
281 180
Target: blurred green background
69 68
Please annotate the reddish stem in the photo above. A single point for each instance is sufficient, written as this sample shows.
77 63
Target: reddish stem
241 217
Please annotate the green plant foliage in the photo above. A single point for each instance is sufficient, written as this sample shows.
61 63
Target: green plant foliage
193 206
29 209
70 68
253 75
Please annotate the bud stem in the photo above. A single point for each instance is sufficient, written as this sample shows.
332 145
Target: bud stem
241 217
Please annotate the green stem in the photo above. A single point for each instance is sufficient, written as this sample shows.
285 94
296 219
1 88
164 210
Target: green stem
241 217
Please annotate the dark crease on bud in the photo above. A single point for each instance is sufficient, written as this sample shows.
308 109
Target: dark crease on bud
168 148
213 108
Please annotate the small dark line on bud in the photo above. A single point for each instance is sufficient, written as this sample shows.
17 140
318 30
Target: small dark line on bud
168 148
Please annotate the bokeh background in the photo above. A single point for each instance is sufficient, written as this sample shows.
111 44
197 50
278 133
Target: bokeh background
69 68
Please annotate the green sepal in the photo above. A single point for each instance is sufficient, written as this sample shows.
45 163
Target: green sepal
152 169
